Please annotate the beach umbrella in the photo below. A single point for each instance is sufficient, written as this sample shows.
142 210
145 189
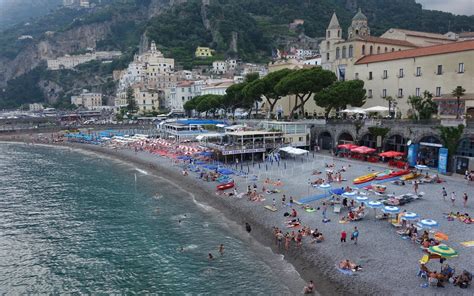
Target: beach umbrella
352 193
374 204
410 216
361 198
421 167
427 223
325 186
391 210
443 251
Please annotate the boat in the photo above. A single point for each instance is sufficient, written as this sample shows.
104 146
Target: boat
366 178
393 174
410 176
225 186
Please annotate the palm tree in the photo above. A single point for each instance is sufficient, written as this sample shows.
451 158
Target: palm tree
458 92
391 102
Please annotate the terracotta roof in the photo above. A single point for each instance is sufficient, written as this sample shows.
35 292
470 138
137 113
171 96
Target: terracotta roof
418 52
422 34
386 41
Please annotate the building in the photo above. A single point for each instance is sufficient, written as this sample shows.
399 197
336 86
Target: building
295 134
147 100
338 53
223 67
87 100
203 52
35 107
316 61
438 69
71 61
183 92
216 87
420 39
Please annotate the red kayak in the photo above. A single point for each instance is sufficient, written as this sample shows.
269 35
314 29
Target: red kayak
393 174
225 186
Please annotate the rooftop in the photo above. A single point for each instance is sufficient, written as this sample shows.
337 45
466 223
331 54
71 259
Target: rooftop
252 133
420 34
386 41
418 52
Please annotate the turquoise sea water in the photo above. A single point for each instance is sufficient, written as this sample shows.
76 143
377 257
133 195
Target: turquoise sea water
72 222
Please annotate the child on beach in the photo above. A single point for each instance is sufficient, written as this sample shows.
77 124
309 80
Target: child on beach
445 194
343 236
453 198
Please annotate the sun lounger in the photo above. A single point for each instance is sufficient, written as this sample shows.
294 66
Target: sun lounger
270 208
337 208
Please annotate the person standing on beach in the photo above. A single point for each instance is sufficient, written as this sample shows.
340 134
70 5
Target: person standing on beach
274 203
291 201
355 235
453 198
415 187
445 194
283 200
247 227
325 208
343 236
464 198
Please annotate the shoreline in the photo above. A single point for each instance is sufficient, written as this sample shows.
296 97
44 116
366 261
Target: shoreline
261 232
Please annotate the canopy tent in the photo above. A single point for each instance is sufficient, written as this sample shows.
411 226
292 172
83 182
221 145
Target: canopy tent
209 135
363 150
354 110
391 154
294 151
347 146
377 109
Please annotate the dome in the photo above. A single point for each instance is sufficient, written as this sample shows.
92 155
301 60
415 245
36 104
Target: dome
359 16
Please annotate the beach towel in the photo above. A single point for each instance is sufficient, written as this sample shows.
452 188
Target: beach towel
468 244
345 271
310 210
270 208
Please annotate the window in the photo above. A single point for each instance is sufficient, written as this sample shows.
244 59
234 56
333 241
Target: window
438 91
338 33
329 34
143 102
400 92
327 56
370 75
400 73
418 71
363 49
384 93
417 91
343 52
378 49
351 51
385 74
328 45
393 49
461 68
371 50
337 53
356 76
369 93
386 49
439 70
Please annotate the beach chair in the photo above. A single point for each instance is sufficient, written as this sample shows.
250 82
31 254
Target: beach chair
337 208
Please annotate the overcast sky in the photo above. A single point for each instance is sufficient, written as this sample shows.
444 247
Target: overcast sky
455 6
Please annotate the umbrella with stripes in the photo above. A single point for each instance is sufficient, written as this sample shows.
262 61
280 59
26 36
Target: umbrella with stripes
427 223
410 216
391 210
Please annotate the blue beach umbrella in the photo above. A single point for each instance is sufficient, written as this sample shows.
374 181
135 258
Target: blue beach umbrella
421 167
391 210
361 198
352 193
374 204
325 186
410 216
427 223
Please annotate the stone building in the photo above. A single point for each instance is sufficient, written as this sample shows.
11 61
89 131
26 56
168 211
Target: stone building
87 100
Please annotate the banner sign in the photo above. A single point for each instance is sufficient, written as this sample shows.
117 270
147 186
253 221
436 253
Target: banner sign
443 161
412 154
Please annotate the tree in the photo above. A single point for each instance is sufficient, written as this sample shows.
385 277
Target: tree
377 131
458 92
303 84
340 94
415 103
265 87
206 103
391 103
131 103
422 107
451 136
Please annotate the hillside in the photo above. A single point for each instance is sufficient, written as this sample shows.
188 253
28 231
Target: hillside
247 29
20 11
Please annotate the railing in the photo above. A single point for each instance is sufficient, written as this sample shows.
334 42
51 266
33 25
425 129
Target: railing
221 147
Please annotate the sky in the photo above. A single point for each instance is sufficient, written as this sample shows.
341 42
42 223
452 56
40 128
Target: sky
455 6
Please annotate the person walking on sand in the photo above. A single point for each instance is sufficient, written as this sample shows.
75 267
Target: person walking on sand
355 235
415 187
325 208
445 194
343 236
309 289
464 198
283 200
274 205
287 241
453 198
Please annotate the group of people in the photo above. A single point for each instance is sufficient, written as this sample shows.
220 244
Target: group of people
446 275
452 198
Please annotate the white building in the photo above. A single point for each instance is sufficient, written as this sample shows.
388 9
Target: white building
69 62
213 87
87 100
36 107
183 92
313 62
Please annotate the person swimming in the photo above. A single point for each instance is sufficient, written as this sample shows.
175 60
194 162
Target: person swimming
221 249
210 257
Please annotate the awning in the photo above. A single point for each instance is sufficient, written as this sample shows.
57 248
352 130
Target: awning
294 151
354 110
363 150
377 109
391 154
209 135
347 146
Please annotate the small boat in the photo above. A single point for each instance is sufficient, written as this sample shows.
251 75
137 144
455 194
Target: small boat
225 186
410 176
393 174
366 178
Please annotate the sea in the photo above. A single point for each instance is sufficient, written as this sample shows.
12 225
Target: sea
74 222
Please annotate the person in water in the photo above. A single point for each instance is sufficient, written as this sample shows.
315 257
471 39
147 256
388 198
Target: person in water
210 257
221 249
247 227
309 288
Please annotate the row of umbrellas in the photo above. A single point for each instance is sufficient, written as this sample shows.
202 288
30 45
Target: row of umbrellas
368 150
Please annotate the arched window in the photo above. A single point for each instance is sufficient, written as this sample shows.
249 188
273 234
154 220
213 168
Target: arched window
329 34
386 49
344 52
378 49
363 49
371 50
393 49
337 53
338 33
328 45
351 51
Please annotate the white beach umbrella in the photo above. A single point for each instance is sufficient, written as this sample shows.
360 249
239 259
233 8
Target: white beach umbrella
391 210
362 198
428 223
410 216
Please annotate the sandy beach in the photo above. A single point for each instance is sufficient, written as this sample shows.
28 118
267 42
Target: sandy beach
390 263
